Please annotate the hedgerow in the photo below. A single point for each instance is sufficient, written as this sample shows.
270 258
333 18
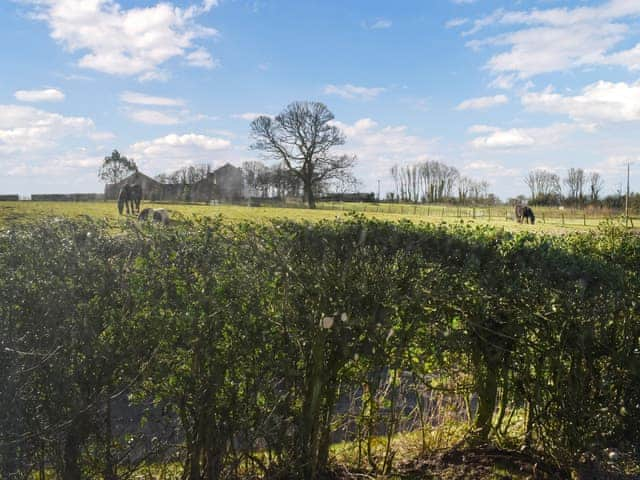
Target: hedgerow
248 349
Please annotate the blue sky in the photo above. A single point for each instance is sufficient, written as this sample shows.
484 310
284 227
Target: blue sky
494 88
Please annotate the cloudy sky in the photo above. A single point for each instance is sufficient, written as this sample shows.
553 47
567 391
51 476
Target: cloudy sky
495 88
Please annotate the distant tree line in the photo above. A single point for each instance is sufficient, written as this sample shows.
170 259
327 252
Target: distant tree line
576 189
433 181
187 175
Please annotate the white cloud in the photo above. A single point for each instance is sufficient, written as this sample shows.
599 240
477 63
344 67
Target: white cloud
503 82
25 129
514 138
143 99
249 116
456 22
463 2
488 169
352 92
153 117
174 151
46 95
121 41
601 101
379 24
482 102
505 139
559 39
101 136
202 58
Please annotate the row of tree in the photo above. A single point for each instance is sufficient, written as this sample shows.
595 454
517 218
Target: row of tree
581 187
433 181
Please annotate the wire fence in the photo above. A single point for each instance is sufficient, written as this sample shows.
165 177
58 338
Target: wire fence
544 215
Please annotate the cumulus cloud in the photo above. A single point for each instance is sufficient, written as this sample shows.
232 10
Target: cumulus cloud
153 117
558 39
202 58
45 151
126 41
25 129
136 98
46 95
174 151
515 138
353 92
600 102
482 102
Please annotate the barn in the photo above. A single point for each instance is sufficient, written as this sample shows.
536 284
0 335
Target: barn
225 184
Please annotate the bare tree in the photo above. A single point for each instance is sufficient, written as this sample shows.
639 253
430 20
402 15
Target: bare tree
544 186
596 184
186 175
575 184
254 176
301 138
396 179
532 183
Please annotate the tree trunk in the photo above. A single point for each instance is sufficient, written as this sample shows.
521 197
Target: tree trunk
71 468
487 389
309 198
109 464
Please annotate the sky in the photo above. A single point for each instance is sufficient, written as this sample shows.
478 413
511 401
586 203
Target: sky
494 88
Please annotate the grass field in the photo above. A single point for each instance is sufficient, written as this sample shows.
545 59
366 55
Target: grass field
549 219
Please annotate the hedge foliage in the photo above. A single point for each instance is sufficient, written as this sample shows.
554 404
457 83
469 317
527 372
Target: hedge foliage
243 341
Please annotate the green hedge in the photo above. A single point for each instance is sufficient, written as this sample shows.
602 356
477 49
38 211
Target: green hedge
247 338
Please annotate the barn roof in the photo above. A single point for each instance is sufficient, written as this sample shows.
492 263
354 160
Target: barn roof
136 177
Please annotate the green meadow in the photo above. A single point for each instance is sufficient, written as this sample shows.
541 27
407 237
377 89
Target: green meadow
549 220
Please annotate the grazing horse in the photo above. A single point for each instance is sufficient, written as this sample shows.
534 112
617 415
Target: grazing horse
135 194
124 199
525 214
159 215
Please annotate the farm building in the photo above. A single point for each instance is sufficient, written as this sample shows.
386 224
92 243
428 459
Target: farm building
224 184
151 189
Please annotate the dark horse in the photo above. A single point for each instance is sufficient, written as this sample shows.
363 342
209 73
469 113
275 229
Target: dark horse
135 193
525 214
124 199
130 197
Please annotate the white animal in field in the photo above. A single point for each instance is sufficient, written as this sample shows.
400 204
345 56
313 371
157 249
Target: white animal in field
158 215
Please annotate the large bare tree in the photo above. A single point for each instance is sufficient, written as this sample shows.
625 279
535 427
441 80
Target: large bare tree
301 138
544 185
596 184
574 181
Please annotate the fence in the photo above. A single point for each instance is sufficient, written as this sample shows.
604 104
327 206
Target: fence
544 215
67 197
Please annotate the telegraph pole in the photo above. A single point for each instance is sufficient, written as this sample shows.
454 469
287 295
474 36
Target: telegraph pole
626 201
378 190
